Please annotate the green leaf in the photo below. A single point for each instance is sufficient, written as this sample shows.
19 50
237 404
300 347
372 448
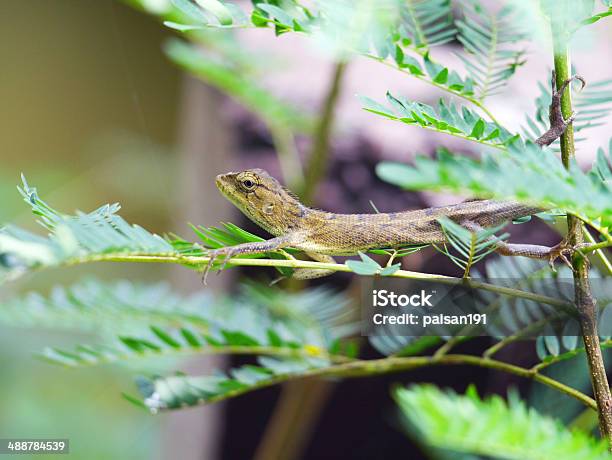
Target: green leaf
427 23
179 391
552 344
182 27
218 9
259 321
522 173
152 319
448 118
205 14
367 265
390 270
490 44
478 129
234 77
595 18
445 420
101 232
471 247
442 77
165 337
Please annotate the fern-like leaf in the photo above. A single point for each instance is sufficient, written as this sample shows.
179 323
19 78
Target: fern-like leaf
523 173
508 319
471 247
121 307
235 76
427 23
490 41
160 342
259 315
448 119
180 391
491 427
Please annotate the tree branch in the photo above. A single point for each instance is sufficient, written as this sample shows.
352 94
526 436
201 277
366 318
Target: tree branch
202 261
583 296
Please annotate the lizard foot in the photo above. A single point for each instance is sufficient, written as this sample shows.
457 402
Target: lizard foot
227 253
558 124
564 251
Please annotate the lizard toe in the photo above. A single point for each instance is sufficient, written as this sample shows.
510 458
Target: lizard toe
563 251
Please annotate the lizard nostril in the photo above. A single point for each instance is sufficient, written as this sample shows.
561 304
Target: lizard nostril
220 180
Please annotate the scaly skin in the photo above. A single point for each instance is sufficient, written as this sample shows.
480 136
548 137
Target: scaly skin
322 234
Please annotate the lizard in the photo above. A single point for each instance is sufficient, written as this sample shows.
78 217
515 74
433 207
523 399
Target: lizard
321 235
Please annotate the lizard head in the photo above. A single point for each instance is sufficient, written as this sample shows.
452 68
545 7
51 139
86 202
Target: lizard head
262 199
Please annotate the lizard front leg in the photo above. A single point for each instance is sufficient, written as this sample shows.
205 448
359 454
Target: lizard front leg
247 248
558 124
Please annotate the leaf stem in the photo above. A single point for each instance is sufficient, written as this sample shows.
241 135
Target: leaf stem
396 364
441 87
208 350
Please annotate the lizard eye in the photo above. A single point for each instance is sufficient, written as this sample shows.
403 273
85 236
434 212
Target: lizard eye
248 184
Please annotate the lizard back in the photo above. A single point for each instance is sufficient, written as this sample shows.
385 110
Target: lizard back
266 202
343 234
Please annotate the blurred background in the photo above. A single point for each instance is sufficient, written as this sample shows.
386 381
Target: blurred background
94 112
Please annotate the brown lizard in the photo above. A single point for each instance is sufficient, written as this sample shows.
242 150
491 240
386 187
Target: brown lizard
323 234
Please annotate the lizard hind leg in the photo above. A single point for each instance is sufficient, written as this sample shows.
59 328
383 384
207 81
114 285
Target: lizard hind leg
313 273
533 251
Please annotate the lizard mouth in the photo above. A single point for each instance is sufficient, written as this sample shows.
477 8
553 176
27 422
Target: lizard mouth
222 181
219 181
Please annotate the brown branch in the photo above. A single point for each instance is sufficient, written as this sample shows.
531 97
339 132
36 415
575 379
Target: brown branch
583 297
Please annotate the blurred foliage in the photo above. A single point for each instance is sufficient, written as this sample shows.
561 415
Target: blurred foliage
449 119
522 173
296 335
491 426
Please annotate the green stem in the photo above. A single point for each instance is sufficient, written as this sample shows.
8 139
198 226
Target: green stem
301 402
555 359
319 155
598 228
217 350
583 296
597 247
396 364
288 157
193 261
